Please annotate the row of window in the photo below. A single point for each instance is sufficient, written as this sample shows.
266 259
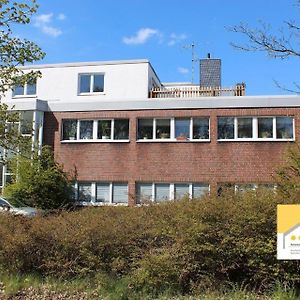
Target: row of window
116 129
159 192
87 84
117 192
102 192
255 128
244 187
187 129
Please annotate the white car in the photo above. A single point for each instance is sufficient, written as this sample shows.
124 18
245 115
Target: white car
26 211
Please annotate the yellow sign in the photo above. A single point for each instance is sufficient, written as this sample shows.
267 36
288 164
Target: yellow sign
288 231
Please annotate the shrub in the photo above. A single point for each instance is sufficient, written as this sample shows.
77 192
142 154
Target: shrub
40 182
180 246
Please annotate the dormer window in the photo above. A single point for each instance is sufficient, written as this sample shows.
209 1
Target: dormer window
28 89
91 83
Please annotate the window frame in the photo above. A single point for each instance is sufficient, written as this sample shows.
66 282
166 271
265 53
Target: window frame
25 89
95 131
94 202
255 133
92 80
172 137
172 190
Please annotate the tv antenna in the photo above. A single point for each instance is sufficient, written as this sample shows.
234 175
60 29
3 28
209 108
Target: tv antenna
194 58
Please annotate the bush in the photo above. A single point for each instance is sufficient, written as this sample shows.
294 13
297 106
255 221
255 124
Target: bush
40 182
180 246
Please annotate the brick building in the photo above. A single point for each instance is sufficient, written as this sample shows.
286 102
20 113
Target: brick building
133 139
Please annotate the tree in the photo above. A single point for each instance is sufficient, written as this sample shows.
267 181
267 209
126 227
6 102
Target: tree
282 45
14 52
40 181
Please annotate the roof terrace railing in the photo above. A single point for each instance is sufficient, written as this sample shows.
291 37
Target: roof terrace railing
197 91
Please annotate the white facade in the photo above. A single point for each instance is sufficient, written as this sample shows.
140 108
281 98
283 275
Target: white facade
123 80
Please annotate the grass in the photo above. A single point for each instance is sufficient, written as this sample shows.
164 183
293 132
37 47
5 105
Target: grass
103 287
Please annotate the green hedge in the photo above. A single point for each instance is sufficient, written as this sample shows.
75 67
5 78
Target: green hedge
179 246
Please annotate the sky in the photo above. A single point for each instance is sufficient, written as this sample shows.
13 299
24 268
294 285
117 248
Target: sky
162 32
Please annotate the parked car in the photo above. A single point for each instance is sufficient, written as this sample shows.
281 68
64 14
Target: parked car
20 210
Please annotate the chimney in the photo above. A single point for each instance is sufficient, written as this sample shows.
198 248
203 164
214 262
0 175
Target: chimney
210 72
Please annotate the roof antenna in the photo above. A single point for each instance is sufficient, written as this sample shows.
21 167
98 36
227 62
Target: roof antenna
194 58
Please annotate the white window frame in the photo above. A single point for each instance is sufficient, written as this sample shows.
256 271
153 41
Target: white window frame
94 138
255 130
171 189
172 130
25 95
91 92
93 201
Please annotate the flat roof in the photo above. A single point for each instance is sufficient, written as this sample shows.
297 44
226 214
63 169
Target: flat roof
85 64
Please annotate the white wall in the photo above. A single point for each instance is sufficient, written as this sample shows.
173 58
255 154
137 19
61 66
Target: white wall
123 80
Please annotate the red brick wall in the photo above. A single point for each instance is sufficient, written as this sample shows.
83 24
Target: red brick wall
209 162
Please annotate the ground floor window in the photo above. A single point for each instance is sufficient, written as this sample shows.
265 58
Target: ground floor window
97 193
243 187
158 192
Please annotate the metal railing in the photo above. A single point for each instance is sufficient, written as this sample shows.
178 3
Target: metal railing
197 91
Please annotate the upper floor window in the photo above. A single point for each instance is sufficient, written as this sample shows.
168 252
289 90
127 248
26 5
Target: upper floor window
91 83
174 129
96 130
28 89
256 128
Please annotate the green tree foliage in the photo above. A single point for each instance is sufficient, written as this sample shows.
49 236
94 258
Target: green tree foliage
288 176
14 52
40 181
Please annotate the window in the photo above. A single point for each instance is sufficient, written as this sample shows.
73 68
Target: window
91 83
160 192
265 127
243 187
181 190
120 193
145 129
69 129
163 129
95 130
104 129
225 128
200 189
28 89
144 193
121 129
256 128
102 193
86 130
174 129
84 192
244 127
284 128
200 128
182 129
26 120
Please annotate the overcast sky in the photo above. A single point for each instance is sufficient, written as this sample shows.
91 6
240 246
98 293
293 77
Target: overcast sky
161 31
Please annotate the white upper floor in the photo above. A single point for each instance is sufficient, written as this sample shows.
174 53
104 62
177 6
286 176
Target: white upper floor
72 82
